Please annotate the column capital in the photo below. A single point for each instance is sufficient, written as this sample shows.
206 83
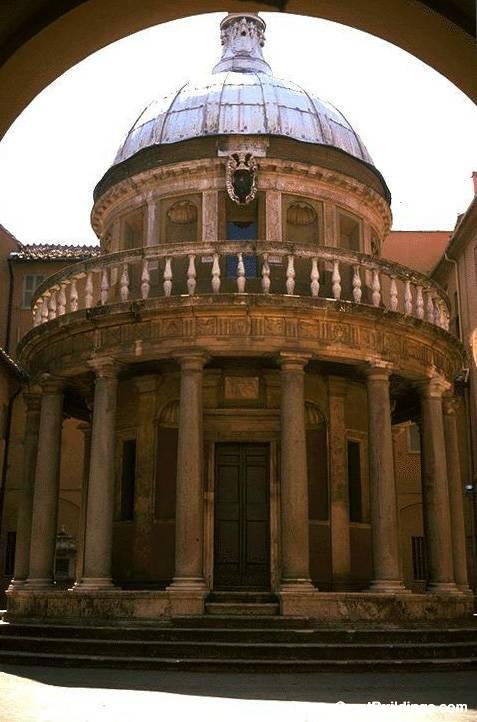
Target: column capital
434 387
51 384
192 360
378 370
450 405
293 360
104 367
32 400
337 386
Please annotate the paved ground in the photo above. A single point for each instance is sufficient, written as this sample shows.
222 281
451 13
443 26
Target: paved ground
38 694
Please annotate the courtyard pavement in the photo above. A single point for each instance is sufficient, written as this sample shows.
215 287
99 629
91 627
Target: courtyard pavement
39 694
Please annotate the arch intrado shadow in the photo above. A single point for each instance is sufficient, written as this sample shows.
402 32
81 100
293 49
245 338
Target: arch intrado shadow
35 48
329 688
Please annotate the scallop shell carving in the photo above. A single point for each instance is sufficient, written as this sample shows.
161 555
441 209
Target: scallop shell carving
182 212
301 214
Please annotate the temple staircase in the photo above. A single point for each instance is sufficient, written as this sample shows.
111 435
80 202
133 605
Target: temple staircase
241 639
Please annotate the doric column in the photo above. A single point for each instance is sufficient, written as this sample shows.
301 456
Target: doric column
100 493
273 215
456 502
339 495
435 490
151 222
294 476
45 495
30 447
382 487
189 491
210 215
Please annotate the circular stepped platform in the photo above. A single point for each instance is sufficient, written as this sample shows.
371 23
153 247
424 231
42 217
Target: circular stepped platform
239 643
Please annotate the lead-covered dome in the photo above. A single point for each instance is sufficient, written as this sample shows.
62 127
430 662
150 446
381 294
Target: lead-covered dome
241 97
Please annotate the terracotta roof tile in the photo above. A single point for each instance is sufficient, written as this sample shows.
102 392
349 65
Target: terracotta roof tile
53 252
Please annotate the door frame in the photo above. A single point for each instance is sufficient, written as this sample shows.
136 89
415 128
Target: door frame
209 506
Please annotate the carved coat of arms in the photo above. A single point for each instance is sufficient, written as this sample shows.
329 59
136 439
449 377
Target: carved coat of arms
241 177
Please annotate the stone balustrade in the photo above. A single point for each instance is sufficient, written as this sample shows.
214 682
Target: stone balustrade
238 267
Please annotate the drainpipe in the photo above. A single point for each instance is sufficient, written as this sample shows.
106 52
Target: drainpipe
10 304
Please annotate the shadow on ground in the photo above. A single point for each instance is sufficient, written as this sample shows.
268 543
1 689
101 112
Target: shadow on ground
352 688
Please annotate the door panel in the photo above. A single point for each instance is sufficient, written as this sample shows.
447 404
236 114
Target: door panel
242 517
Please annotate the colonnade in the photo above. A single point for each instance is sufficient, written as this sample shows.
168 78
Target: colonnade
442 492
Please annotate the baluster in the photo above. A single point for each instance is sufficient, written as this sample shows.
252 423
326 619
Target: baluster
88 290
37 313
240 274
446 320
216 274
419 303
124 284
265 274
73 296
104 286
61 309
376 286
191 275
407 298
291 275
145 279
437 312
314 278
52 306
336 280
357 293
393 295
430 306
167 285
44 307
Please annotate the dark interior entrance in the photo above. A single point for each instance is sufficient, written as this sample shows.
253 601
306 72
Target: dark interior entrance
242 517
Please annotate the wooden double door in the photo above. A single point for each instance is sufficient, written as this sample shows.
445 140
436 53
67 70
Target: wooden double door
242 517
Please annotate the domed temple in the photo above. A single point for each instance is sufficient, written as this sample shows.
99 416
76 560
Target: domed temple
240 356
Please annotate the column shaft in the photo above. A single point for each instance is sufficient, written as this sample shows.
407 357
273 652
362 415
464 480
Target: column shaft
435 490
45 495
151 223
100 494
273 212
456 501
383 501
210 215
25 509
339 495
294 476
189 491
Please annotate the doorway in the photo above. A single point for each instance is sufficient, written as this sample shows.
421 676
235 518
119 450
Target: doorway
242 517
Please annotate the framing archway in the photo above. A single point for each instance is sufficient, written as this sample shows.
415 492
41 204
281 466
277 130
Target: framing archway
37 48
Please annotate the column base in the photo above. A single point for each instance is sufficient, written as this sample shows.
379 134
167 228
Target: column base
465 589
297 586
16 584
40 584
187 584
93 584
388 586
443 588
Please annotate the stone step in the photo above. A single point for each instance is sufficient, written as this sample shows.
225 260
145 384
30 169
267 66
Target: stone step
215 650
233 609
238 665
237 629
